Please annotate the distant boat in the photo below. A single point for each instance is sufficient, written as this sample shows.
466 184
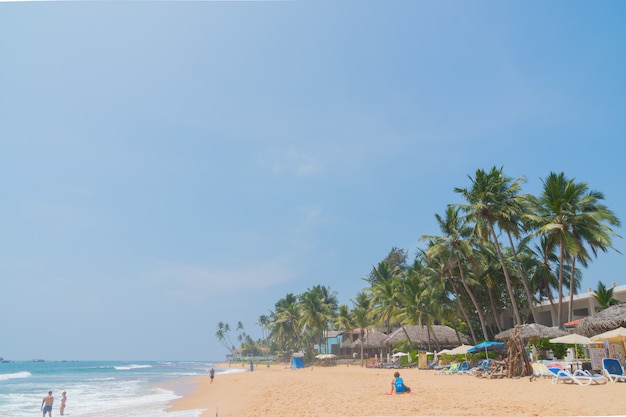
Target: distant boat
38 360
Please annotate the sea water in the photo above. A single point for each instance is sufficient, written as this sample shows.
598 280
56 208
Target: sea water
97 389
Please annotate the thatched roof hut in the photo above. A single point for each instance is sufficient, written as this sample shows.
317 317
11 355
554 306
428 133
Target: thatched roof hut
371 340
603 321
441 337
532 330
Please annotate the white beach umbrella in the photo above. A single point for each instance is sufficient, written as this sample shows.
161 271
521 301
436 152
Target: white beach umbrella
615 335
572 339
460 350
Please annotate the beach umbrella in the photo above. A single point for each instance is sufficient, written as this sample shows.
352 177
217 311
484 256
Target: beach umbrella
572 339
460 350
615 335
443 352
487 346
398 354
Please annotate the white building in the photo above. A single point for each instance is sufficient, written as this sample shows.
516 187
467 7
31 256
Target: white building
584 305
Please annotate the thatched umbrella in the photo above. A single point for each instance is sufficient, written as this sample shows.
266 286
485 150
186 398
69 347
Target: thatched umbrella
446 336
603 321
532 330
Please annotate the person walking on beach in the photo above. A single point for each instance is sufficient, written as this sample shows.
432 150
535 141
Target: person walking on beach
63 400
212 374
46 404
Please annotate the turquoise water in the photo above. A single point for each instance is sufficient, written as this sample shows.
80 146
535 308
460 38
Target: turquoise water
95 389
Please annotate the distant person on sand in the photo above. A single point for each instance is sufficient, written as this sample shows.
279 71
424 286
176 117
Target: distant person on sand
63 400
212 374
46 404
397 384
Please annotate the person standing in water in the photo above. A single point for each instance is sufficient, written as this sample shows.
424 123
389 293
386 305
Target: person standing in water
46 404
63 400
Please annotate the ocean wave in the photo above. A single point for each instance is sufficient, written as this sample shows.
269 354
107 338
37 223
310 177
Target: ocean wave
129 367
16 375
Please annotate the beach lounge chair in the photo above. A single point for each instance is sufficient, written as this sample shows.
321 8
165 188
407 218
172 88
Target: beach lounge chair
540 370
452 369
579 377
613 370
480 368
463 368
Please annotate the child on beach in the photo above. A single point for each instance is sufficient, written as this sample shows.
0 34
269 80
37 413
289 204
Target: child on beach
397 385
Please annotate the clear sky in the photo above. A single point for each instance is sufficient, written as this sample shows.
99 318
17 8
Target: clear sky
169 165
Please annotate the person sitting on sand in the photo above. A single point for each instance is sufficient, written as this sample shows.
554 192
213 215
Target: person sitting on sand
397 385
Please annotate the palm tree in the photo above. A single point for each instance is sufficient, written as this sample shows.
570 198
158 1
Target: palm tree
452 247
441 275
361 314
223 336
263 322
384 290
286 322
316 313
604 297
568 214
589 227
493 199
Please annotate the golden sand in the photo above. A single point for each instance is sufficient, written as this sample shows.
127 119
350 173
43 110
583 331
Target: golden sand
343 390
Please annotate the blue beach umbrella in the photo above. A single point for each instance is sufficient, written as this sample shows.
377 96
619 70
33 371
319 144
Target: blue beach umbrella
487 347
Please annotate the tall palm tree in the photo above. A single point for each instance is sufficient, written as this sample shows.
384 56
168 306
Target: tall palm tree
263 322
454 246
286 322
385 294
361 316
589 227
567 214
493 200
223 336
317 312
440 272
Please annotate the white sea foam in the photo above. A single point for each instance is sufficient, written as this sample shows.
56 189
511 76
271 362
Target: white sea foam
129 367
16 375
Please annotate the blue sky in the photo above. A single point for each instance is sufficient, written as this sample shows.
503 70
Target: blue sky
170 165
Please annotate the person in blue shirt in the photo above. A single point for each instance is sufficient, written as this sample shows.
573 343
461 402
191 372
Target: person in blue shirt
397 385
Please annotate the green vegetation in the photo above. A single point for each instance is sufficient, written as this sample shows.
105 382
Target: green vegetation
498 250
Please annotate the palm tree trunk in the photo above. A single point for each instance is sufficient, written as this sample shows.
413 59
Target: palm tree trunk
509 287
529 295
457 295
572 281
494 310
559 316
362 333
471 295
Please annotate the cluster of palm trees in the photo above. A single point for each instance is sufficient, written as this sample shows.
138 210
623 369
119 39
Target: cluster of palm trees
498 250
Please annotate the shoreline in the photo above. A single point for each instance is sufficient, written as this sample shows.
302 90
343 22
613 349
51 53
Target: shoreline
352 391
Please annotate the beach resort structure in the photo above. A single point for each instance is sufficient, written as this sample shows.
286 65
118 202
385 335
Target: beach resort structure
585 305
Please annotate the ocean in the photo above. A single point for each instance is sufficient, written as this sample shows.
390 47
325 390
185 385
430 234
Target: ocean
97 388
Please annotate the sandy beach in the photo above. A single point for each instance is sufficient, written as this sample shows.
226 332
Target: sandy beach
343 390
